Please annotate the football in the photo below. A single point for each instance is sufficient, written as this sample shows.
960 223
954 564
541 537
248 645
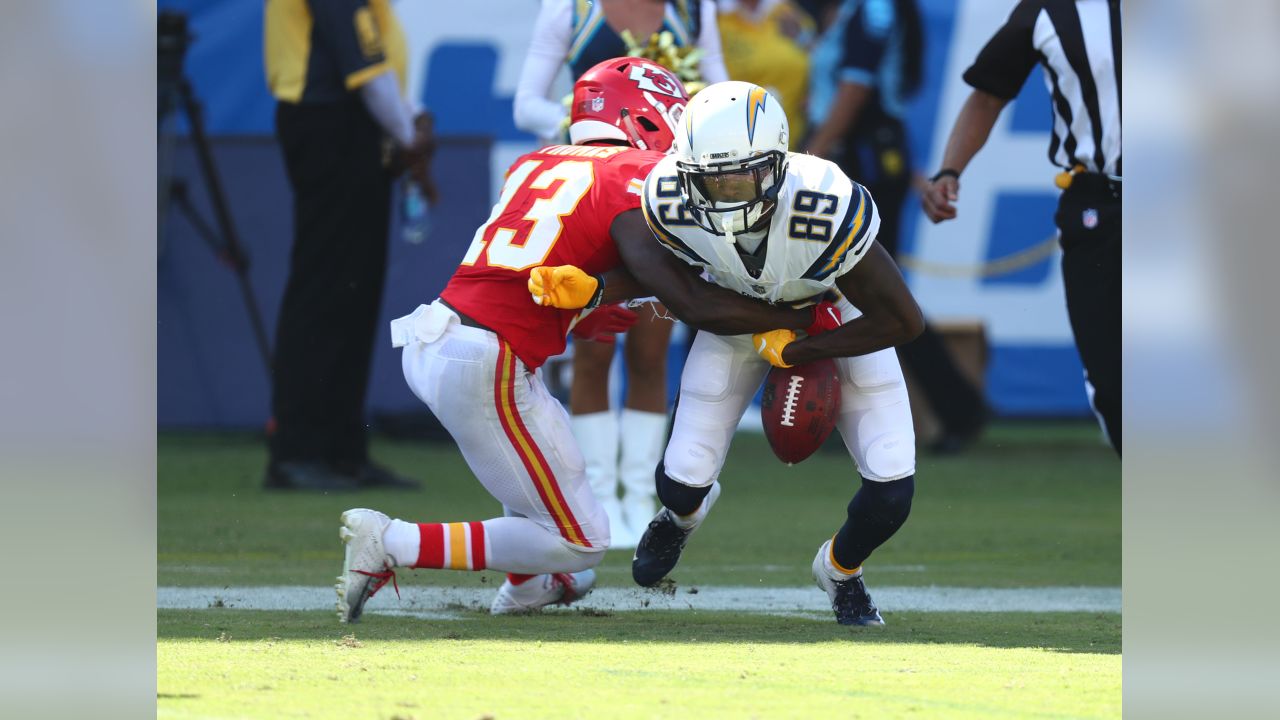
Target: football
799 408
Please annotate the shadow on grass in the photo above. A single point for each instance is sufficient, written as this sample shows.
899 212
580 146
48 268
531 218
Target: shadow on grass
1055 632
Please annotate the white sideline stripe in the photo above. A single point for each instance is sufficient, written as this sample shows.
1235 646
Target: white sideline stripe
437 602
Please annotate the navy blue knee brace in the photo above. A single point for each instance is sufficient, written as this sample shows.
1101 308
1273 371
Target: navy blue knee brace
681 499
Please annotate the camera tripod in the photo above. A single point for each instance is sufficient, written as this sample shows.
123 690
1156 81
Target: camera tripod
176 94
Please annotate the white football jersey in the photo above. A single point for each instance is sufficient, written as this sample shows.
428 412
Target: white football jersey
822 227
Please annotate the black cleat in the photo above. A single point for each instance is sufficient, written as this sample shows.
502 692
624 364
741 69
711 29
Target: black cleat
663 541
849 598
852 604
659 549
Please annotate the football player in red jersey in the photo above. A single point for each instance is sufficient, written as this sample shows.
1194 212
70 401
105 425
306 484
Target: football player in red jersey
471 354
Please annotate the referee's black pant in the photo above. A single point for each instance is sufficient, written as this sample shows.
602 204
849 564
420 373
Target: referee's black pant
328 318
1089 218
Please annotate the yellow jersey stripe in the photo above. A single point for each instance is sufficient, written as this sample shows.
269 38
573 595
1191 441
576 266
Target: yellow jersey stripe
858 220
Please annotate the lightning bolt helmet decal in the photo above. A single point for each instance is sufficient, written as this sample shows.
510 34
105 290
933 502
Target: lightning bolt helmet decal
755 105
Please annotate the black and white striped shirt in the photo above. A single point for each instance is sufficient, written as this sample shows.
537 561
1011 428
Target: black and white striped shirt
1078 44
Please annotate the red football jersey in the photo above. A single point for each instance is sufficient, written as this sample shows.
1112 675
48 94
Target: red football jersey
556 208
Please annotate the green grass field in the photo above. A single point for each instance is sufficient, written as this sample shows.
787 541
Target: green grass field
1034 506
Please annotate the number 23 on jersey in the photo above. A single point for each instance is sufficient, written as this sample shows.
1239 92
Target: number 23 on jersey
528 244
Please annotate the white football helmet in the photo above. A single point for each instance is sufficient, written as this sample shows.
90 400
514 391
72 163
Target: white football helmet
731 156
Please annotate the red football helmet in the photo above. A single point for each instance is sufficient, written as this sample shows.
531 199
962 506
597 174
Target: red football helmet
633 100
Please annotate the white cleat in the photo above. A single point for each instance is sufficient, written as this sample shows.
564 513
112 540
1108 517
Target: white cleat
367 566
540 591
850 601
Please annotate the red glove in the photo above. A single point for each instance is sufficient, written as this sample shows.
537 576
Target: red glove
825 317
602 324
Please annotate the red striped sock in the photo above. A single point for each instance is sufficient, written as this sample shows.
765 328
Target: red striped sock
454 546
518 579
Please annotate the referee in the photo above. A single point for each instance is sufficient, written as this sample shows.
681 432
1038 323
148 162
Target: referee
1077 42
335 68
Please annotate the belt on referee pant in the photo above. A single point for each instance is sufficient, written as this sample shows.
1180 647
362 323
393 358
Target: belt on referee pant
1098 183
1079 180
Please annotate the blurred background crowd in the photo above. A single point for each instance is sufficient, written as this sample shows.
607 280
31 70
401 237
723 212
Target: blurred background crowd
251 257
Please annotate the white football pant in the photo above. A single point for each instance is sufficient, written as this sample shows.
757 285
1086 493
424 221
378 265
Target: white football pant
722 375
515 437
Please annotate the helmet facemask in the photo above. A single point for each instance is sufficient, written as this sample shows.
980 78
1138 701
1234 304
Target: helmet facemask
733 197
644 133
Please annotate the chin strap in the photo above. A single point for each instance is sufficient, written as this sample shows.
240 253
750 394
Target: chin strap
727 228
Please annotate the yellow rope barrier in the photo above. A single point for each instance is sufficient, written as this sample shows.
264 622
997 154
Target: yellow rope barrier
1006 265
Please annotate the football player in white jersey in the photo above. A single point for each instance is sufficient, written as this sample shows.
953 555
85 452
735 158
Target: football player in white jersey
786 228
789 229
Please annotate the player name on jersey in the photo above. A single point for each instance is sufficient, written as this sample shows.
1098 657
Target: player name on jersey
585 151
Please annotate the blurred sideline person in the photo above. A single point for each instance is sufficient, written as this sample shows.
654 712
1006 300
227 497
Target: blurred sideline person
335 68
867 64
1078 44
786 228
623 446
471 355
582 34
766 42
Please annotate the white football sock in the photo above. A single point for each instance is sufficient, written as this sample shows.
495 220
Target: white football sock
401 539
597 436
828 564
643 438
513 544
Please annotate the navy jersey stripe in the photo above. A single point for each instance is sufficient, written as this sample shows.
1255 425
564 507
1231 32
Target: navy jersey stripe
851 236
665 236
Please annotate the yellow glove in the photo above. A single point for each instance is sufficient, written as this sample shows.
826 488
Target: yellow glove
564 286
771 344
